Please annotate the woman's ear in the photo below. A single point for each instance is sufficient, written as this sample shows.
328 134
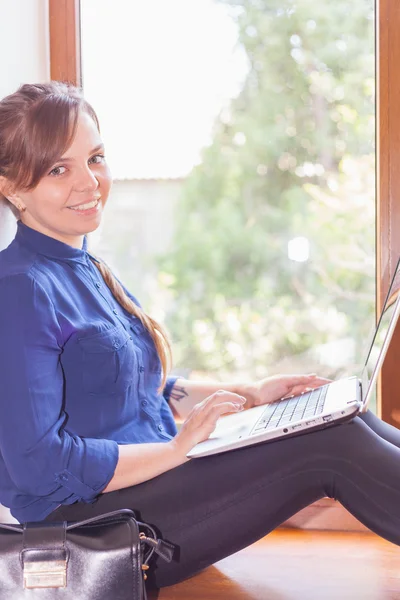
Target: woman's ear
5 187
8 191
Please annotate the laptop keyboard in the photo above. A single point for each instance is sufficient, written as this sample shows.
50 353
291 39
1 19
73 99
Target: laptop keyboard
283 412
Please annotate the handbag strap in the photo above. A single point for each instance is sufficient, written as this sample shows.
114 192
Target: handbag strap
107 518
113 516
43 535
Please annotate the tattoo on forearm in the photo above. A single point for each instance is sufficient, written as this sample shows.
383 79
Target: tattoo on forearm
178 393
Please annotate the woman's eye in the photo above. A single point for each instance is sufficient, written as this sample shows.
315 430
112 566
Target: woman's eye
101 156
53 171
56 171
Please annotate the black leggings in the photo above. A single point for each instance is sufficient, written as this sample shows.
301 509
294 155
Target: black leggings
212 507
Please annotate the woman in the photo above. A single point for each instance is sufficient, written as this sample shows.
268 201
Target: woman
86 407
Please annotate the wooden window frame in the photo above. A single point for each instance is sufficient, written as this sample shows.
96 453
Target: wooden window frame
65 65
387 189
65 41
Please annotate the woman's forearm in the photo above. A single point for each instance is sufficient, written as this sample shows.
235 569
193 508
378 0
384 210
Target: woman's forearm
140 462
185 394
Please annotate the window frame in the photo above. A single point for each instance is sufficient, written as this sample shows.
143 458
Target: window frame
387 185
65 41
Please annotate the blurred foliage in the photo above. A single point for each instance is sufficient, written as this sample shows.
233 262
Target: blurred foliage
293 155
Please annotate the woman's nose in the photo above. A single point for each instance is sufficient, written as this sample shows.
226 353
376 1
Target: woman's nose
86 180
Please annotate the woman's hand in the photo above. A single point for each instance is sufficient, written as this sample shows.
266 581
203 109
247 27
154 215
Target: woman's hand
279 387
203 417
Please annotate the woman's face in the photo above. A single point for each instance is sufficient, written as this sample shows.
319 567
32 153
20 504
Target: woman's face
81 176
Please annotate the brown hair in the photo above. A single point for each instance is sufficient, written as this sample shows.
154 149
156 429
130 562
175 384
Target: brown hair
37 125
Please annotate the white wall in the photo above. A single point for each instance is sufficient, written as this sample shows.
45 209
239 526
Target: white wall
24 48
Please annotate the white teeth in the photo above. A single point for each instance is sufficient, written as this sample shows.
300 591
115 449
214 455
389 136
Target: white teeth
85 206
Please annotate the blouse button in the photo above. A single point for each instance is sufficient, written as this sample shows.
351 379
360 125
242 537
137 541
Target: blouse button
144 403
141 369
160 428
97 284
115 311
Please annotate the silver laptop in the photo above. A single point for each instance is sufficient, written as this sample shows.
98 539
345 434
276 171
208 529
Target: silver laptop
336 402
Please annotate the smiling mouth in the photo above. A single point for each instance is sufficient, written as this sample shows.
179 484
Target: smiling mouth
83 207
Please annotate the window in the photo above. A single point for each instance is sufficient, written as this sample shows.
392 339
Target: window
241 138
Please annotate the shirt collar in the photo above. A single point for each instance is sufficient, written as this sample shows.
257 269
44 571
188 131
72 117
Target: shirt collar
48 246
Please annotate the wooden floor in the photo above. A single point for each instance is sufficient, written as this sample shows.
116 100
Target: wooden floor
300 565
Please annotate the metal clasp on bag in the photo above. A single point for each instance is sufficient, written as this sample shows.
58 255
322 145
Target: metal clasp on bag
45 574
44 568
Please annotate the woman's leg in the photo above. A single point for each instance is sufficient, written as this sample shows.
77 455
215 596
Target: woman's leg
384 430
211 507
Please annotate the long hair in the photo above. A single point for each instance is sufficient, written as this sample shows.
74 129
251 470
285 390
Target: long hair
37 125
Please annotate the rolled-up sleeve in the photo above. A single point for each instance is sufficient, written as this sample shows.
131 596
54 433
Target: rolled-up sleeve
41 456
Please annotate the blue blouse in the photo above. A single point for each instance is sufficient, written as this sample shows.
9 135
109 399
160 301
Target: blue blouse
78 376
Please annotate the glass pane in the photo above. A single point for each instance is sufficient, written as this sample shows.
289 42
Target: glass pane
241 137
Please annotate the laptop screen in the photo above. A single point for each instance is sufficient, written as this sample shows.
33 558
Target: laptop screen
372 364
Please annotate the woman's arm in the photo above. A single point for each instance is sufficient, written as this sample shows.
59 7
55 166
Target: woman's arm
140 462
185 394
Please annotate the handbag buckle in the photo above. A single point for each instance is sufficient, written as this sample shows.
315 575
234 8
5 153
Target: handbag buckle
45 574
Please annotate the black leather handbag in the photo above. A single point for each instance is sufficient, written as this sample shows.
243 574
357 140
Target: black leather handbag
102 558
